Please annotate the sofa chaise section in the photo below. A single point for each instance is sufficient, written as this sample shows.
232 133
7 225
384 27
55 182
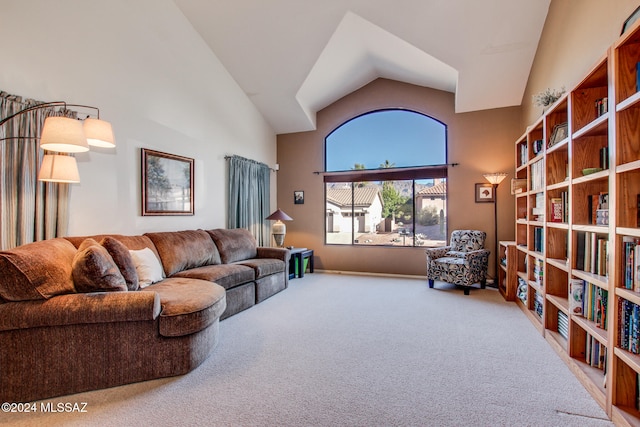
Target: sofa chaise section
55 341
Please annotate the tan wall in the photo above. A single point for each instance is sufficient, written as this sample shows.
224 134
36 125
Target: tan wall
576 34
480 142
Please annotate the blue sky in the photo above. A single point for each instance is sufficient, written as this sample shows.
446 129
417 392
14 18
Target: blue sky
402 137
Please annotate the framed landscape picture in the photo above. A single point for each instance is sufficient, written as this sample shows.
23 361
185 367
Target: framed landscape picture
484 193
167 184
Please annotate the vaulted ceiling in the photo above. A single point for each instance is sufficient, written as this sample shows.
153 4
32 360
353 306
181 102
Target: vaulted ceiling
295 57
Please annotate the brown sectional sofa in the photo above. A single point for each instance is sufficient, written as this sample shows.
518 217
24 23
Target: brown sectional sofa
55 340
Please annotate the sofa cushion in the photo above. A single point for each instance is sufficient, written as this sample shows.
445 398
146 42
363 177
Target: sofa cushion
182 250
148 267
123 260
95 271
131 242
264 266
188 305
38 270
235 244
225 275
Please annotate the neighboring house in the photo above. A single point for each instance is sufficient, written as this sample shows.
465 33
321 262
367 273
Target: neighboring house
367 209
433 197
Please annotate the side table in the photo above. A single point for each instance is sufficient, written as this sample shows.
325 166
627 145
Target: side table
296 263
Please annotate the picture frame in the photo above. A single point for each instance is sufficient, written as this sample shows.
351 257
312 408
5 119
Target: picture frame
560 132
485 193
298 197
167 184
628 23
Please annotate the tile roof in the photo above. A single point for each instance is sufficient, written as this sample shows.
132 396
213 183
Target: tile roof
439 189
363 196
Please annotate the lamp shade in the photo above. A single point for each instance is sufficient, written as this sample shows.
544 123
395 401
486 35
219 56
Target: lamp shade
99 133
279 215
59 168
495 178
64 135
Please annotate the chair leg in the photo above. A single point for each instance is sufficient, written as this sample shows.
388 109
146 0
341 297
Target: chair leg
483 283
430 283
466 290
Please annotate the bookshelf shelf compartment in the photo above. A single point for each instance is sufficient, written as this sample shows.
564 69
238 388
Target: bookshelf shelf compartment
628 206
590 327
561 304
598 127
601 281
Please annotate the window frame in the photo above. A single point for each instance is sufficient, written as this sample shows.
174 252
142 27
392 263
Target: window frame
410 173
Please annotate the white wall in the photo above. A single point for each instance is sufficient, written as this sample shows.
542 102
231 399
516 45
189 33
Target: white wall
155 80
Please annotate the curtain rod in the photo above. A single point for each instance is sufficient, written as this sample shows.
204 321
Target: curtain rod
227 157
408 168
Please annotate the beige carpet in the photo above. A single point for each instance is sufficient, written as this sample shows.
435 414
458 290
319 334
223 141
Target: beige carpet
339 350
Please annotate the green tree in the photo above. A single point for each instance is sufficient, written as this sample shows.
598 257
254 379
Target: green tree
391 198
387 165
359 167
159 184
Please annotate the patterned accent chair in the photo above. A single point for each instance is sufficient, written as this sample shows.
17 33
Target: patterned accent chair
464 262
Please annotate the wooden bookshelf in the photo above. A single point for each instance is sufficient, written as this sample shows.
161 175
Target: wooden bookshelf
577 223
507 275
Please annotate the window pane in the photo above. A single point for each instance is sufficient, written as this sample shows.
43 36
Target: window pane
399 137
431 212
339 223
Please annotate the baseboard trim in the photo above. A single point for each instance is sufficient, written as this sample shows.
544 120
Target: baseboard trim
367 273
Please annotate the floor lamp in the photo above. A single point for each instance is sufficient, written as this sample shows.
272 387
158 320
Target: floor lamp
495 179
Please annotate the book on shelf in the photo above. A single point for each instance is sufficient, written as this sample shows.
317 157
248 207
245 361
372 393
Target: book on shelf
595 353
576 292
592 253
556 209
538 239
538 304
524 154
631 251
594 304
537 175
598 206
604 158
628 326
522 290
537 146
563 325
602 106
538 271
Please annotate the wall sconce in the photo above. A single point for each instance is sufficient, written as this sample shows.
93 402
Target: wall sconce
278 229
66 135
495 179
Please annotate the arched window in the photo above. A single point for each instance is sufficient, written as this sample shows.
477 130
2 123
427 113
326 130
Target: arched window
385 180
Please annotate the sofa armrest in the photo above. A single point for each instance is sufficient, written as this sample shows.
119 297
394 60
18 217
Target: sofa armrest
70 309
277 253
435 253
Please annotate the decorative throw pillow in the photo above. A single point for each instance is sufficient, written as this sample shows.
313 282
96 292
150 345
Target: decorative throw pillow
123 260
148 267
94 270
